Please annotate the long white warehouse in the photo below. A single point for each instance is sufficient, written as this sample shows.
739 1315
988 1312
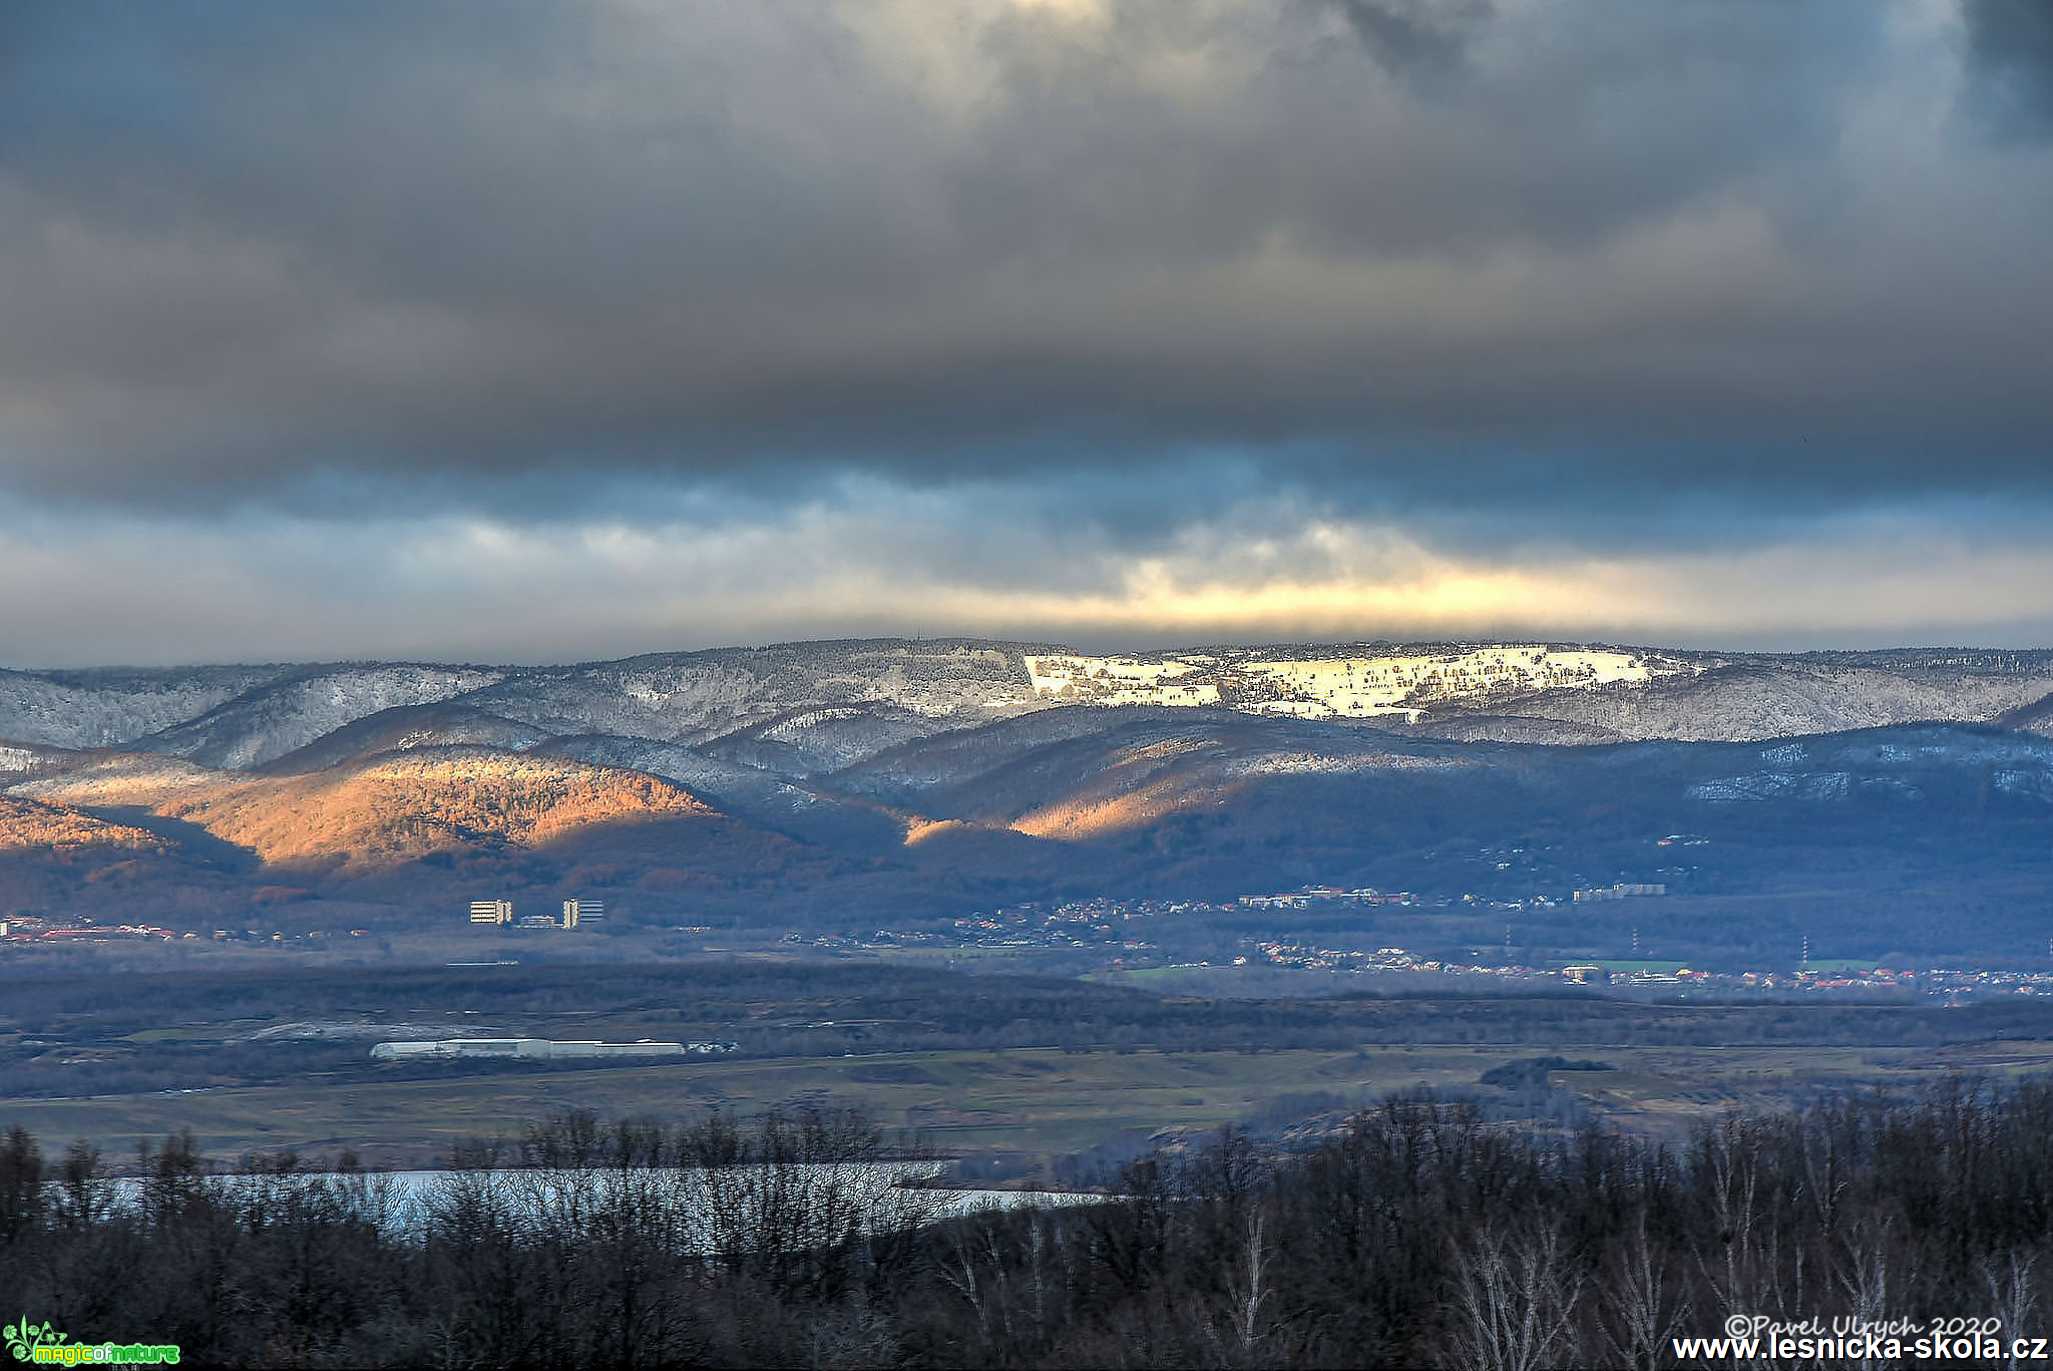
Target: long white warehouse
541 1047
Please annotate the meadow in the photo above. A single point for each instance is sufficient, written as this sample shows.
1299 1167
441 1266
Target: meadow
1021 1108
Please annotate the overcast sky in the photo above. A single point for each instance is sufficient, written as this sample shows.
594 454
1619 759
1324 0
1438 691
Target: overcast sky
510 331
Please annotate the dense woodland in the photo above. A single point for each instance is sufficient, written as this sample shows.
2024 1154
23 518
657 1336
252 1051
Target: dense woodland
1422 1236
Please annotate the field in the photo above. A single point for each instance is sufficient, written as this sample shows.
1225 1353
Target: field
1021 1102
1033 1075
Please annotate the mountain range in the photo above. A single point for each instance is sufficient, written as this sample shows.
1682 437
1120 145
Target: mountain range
930 776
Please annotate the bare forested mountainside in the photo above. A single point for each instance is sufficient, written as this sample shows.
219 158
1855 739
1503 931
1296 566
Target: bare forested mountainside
56 831
926 777
822 705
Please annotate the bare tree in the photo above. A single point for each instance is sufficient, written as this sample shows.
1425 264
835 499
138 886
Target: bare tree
1250 1286
1248 1291
974 1267
1864 1276
1643 1311
1515 1295
2012 1295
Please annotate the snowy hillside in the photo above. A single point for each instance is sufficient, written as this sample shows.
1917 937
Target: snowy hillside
697 696
802 710
722 783
282 717
1751 698
382 813
1360 685
813 741
407 728
782 804
108 707
22 761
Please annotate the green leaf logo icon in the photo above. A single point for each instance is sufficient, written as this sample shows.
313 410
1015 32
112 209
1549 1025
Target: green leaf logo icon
23 1337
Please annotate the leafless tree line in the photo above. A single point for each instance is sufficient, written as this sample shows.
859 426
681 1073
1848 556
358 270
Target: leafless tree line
1423 1235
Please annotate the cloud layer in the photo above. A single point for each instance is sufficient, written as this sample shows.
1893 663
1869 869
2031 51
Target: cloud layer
149 590
1480 314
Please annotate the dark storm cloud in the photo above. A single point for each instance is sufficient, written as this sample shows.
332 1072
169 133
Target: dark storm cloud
1614 255
1406 33
2011 52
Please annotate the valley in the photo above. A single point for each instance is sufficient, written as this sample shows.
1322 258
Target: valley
1042 912
1031 1115
1027 1078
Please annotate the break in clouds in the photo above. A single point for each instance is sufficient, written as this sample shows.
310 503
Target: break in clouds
529 331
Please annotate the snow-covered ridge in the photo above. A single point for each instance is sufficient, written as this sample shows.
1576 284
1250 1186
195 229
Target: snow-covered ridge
269 722
801 709
1350 687
1069 679
104 708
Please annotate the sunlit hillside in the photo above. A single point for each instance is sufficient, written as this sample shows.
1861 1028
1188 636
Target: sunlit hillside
389 810
29 827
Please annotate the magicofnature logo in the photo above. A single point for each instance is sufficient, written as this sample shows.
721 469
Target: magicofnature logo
42 1344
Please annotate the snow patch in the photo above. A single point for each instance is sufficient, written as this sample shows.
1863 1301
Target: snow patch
2032 785
1775 785
1357 687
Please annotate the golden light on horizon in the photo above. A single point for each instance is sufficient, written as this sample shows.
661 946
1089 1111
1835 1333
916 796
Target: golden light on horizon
1154 599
